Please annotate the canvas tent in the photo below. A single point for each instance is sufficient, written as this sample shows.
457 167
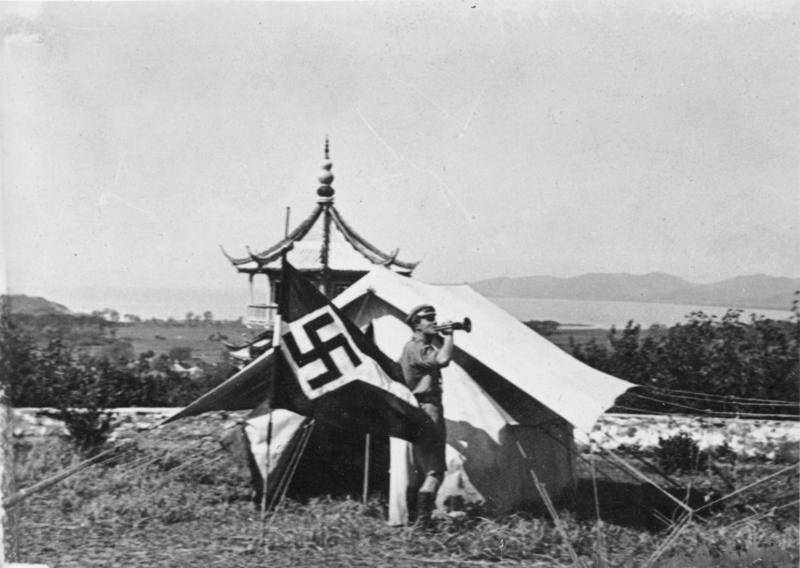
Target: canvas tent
511 398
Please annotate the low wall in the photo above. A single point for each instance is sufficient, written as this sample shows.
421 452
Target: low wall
750 438
30 421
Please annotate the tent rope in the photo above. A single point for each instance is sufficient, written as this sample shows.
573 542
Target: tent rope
719 397
300 450
641 459
749 486
211 460
139 464
624 471
100 458
283 486
115 453
676 530
291 467
700 413
551 509
762 514
643 477
713 412
578 455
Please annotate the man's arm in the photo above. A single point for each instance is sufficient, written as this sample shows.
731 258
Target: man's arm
445 354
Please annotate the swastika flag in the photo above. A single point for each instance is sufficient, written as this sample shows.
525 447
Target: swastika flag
330 370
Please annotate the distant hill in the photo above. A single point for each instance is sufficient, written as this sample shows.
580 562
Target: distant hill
35 306
755 291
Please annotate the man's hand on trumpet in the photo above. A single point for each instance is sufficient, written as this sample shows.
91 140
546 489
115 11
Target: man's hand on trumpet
451 326
445 328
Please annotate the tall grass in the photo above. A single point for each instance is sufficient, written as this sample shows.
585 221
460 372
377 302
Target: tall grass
175 499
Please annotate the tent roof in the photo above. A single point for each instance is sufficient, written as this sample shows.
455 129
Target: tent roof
571 389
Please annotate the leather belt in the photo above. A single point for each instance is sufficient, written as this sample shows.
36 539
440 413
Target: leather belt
429 398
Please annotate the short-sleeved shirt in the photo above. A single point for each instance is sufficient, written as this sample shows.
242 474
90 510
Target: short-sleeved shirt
421 370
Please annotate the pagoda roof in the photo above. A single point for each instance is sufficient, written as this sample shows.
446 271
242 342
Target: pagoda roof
323 240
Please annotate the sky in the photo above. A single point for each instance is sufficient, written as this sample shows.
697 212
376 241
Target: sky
482 139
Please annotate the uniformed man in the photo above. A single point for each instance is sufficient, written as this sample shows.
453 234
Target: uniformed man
421 362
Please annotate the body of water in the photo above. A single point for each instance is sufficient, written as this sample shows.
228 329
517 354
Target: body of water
148 303
604 314
231 304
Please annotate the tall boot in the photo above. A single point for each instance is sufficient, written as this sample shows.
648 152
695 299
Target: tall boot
426 503
411 505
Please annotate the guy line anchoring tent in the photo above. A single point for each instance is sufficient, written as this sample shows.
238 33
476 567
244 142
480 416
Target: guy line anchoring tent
511 398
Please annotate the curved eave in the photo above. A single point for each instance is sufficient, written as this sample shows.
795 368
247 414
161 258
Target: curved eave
300 231
256 262
237 262
371 252
278 249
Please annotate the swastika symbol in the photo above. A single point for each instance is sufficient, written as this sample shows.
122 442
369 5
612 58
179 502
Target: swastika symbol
321 350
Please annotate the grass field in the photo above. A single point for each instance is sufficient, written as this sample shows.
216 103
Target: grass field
205 340
564 337
177 499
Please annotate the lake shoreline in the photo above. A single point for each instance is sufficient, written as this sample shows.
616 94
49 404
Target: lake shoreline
769 308
603 315
572 315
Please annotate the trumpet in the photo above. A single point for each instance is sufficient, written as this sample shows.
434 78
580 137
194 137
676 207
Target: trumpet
465 325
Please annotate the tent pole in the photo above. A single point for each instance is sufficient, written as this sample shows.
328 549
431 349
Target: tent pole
366 469
276 342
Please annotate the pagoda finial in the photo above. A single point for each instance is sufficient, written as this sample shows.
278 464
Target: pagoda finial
325 191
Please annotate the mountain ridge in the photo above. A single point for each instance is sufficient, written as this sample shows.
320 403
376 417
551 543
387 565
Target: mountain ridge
31 305
748 291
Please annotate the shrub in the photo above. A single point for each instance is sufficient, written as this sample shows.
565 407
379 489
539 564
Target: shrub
724 453
680 453
78 387
180 353
787 452
726 357
89 428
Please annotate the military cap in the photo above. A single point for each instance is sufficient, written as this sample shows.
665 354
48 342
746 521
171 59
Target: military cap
420 311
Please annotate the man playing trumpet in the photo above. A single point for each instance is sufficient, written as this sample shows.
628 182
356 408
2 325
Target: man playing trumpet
421 362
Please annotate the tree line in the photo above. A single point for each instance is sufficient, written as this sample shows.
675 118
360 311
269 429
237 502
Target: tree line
44 360
724 366
75 366
190 319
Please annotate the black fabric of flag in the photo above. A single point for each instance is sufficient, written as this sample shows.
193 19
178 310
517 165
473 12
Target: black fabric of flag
330 370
